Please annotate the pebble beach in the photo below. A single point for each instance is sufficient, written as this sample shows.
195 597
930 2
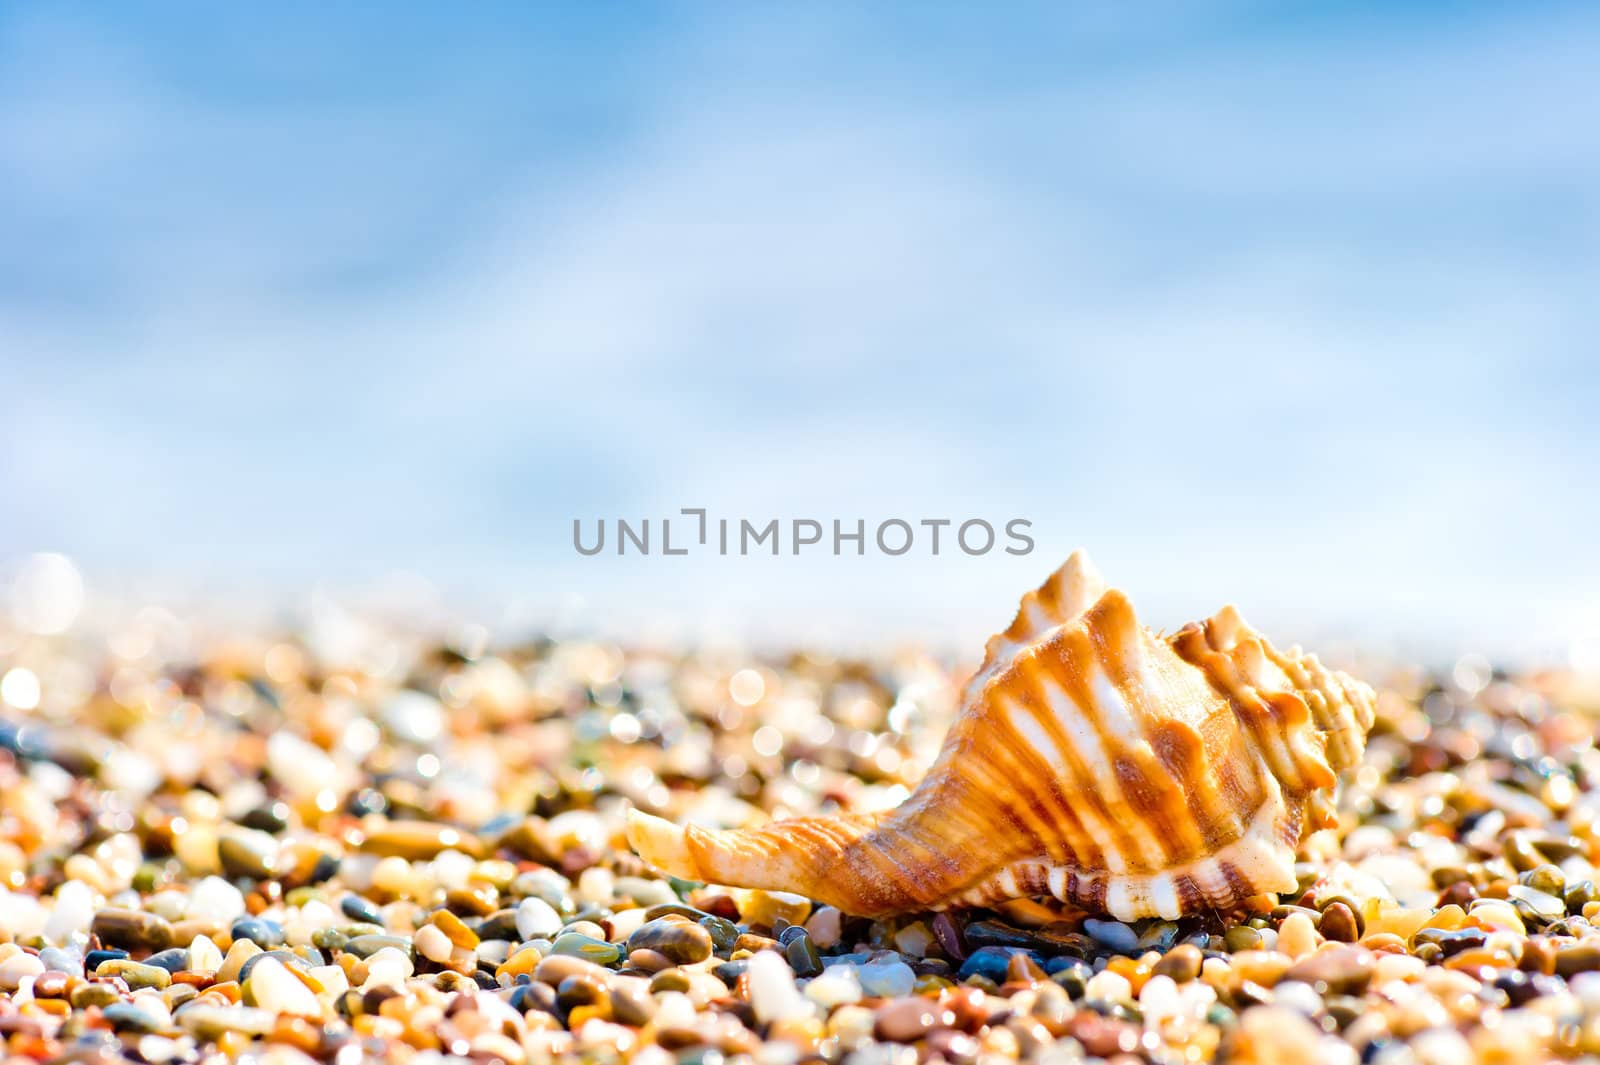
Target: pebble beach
404 849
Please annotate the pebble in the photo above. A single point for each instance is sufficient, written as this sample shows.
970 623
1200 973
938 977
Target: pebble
587 947
886 979
248 853
906 1020
1181 963
417 840
537 919
1113 935
277 990
132 929
15 969
433 944
215 901
1339 923
73 912
773 995
683 942
836 986
767 907
825 927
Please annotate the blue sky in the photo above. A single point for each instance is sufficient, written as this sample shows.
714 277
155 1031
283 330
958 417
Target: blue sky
1291 310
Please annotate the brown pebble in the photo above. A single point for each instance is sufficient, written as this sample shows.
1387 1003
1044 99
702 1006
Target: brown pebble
1103 1036
559 967
1181 963
1334 970
1538 956
418 841
905 1020
1024 971
968 1006
132 929
1339 923
650 961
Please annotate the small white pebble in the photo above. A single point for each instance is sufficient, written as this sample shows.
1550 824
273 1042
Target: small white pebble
1158 999
17 968
204 955
837 986
214 899
536 919
1108 986
277 989
333 979
891 979
773 996
74 910
433 944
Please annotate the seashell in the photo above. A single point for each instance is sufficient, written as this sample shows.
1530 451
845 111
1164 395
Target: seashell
1093 761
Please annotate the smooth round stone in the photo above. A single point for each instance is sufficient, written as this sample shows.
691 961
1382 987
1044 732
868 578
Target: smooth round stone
215 900
724 933
263 933
1546 878
536 919
1181 963
1113 935
631 1001
1579 957
418 840
681 941
276 989
17 968
1531 901
988 962
773 995
1159 937
247 852
57 960
135 974
825 927
1339 923
204 955
575 945
1242 937
645 892
837 986
96 994
906 1020
886 979
73 912
766 907
129 1017
360 909
132 929
172 960
368 945
802 955
213 1022
558 967
433 944
1335 970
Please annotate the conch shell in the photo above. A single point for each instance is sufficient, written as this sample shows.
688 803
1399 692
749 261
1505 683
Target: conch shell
1093 761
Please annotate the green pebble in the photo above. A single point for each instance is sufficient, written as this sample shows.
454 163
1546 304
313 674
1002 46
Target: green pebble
135 974
368 945
577 945
1242 937
1546 878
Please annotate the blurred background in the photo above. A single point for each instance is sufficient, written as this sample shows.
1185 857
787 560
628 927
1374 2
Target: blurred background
357 304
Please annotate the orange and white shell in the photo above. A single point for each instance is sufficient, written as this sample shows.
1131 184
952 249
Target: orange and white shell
1093 761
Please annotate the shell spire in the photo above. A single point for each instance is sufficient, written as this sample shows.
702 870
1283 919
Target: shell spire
1093 761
